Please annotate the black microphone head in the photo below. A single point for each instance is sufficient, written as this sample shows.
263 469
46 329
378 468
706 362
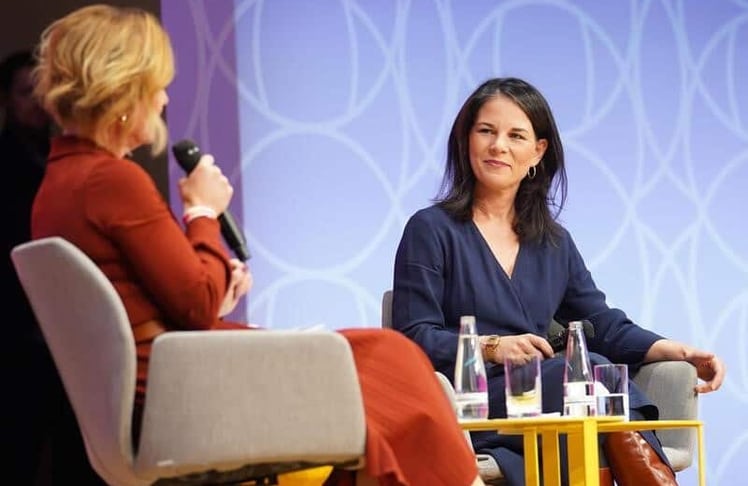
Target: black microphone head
187 154
588 329
558 333
557 336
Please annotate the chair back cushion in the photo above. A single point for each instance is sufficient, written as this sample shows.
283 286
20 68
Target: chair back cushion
387 309
88 333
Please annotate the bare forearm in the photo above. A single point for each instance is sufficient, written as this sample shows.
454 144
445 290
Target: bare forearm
667 350
709 367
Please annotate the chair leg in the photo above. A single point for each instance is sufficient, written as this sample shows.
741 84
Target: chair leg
265 481
341 477
363 479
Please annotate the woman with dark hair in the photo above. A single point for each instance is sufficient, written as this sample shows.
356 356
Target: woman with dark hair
491 247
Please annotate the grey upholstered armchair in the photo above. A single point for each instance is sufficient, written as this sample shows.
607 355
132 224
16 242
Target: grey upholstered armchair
221 407
669 384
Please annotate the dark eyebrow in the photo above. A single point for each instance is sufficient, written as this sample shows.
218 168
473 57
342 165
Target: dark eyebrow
490 125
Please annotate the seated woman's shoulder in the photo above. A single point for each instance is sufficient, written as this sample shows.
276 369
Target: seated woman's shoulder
433 214
563 232
122 170
121 179
562 238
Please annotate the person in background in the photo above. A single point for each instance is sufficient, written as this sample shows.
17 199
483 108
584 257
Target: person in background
108 98
47 447
491 247
24 143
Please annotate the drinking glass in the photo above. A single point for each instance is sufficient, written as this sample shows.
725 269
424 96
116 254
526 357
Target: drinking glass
524 393
612 390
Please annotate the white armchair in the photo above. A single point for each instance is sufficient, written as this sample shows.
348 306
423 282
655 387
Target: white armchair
222 406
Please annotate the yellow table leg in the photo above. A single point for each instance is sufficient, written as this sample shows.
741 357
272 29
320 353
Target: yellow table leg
551 461
575 453
583 461
591 459
700 452
530 440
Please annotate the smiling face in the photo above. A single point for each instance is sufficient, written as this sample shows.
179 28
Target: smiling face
503 146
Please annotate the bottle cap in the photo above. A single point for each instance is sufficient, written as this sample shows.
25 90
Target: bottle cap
467 325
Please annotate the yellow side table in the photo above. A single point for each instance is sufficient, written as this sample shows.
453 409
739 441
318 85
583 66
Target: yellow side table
581 443
315 476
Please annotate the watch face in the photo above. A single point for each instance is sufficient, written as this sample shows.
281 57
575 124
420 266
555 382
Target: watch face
491 341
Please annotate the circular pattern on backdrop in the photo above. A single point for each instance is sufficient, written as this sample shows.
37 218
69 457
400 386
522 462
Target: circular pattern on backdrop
345 108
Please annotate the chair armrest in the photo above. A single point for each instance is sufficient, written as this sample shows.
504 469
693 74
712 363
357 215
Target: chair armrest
232 398
488 468
670 385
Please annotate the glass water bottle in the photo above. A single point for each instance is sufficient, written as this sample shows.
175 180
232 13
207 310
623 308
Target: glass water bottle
579 385
471 386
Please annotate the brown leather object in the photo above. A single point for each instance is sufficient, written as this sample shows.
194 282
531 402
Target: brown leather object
606 477
634 463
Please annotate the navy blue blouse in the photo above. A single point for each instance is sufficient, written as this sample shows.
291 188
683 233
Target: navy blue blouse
444 269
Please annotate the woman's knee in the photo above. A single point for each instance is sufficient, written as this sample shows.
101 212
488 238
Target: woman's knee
596 358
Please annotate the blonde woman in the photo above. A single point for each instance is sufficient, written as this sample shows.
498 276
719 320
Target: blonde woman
102 74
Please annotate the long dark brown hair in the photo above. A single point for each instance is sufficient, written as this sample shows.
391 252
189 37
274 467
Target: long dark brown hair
539 200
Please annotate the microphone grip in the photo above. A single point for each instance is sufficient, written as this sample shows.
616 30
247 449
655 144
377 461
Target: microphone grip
188 155
558 341
233 236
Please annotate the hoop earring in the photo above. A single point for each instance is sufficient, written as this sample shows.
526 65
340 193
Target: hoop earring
532 172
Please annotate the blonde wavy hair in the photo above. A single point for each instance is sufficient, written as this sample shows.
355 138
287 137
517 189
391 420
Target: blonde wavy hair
99 69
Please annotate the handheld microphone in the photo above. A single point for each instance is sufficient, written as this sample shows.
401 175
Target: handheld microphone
558 334
188 155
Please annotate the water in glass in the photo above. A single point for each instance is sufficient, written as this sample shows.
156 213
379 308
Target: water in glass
613 404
